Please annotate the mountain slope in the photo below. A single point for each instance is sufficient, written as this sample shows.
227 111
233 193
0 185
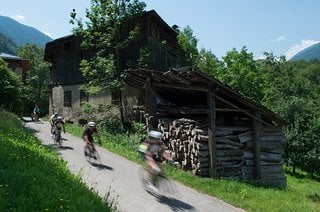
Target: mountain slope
7 45
310 53
22 34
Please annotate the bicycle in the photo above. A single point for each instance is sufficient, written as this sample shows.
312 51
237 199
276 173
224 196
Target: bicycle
91 153
35 117
57 136
157 185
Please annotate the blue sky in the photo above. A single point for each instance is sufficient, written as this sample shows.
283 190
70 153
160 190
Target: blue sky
279 26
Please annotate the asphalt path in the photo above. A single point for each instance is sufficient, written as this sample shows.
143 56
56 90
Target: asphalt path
119 179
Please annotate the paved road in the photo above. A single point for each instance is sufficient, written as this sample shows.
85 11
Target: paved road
120 178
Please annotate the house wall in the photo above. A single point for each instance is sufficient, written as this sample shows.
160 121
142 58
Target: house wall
73 112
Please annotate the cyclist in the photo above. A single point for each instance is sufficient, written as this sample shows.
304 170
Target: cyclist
53 118
88 136
59 124
153 155
36 112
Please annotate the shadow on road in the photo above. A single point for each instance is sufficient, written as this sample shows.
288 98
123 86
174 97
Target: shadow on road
101 166
66 148
175 204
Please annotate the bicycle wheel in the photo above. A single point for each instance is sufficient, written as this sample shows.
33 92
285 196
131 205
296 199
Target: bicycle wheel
58 139
164 185
87 153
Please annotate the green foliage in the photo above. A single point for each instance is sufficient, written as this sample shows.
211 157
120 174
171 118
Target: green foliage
104 32
34 178
188 46
240 71
37 78
290 89
12 91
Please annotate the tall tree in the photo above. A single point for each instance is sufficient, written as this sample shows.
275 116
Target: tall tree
106 33
241 72
189 48
37 78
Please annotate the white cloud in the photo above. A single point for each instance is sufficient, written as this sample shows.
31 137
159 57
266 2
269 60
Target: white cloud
281 38
19 17
299 47
260 57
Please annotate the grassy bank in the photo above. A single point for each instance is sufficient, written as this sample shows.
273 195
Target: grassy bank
302 193
33 178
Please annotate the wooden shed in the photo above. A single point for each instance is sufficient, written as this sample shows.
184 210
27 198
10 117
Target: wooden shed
210 128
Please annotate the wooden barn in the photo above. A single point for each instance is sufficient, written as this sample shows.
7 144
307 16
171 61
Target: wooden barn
65 55
210 128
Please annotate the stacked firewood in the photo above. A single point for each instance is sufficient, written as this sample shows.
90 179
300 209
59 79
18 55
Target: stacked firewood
188 143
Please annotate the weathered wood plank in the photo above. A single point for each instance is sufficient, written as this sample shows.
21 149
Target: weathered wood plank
212 134
257 128
245 137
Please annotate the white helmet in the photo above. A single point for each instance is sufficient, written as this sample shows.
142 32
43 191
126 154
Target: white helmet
92 124
155 134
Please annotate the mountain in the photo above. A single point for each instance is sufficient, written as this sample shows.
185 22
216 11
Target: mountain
7 45
21 34
310 53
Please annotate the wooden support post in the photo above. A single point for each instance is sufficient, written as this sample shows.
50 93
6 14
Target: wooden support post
212 134
151 103
257 128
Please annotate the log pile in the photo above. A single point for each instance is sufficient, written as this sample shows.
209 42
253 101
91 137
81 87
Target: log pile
188 143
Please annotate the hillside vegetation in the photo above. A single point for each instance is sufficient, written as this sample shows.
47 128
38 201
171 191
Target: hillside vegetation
7 45
21 34
33 178
308 54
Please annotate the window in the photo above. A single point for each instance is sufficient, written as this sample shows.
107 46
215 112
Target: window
67 99
83 96
115 97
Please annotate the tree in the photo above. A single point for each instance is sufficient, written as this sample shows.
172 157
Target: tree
209 63
188 46
37 78
11 89
241 72
106 32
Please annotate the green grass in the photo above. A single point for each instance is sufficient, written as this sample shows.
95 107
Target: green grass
33 178
302 193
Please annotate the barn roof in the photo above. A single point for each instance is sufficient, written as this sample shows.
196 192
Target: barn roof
189 85
10 57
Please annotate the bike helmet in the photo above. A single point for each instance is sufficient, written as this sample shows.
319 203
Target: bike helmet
155 134
92 124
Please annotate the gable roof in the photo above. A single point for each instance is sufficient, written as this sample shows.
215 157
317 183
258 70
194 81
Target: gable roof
189 85
10 57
